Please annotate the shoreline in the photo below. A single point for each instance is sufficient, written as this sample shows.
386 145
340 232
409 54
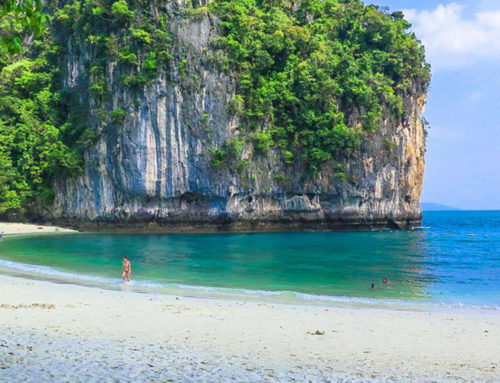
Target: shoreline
286 297
64 329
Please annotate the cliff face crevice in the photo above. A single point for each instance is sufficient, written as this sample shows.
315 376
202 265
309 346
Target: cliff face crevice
154 167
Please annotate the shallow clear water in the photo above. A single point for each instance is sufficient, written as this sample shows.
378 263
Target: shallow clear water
455 258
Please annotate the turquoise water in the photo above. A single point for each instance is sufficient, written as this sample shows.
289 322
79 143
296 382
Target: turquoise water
454 258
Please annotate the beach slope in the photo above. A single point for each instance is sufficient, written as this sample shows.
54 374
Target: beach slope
60 332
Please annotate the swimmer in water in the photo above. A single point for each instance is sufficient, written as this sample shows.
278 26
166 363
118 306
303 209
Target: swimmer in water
386 282
127 269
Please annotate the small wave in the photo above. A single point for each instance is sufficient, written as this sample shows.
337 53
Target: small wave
49 271
227 290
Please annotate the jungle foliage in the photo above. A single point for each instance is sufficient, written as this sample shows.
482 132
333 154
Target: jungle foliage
306 67
33 128
312 78
17 16
44 130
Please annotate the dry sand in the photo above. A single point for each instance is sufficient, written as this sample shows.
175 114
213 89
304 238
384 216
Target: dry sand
52 332
10 228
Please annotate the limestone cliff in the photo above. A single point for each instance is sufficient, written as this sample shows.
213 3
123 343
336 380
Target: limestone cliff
154 168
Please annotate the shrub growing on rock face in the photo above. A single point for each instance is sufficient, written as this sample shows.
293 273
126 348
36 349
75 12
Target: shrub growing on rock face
234 146
262 142
141 35
118 116
218 157
230 152
120 10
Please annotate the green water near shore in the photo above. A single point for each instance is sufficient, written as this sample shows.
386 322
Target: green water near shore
443 263
314 263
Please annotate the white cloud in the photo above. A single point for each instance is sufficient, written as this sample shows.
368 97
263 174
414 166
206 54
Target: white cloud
454 39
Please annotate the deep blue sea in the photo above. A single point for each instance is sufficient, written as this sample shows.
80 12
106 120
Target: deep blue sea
454 258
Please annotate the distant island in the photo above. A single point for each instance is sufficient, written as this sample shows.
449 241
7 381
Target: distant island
430 206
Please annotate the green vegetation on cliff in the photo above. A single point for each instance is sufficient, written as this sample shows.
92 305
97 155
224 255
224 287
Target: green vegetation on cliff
32 128
44 129
17 16
312 78
305 67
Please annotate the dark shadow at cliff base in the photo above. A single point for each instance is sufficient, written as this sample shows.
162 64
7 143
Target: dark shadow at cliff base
221 226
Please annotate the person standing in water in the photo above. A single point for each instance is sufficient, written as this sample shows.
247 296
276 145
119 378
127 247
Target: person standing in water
127 269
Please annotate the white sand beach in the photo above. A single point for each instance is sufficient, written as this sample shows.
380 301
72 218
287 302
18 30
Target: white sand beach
53 332
12 228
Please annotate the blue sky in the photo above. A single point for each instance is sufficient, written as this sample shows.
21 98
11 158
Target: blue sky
462 40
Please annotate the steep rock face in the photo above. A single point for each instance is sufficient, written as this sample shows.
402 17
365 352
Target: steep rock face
155 168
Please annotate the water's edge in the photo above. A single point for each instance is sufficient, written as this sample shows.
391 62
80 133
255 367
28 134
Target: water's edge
47 274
